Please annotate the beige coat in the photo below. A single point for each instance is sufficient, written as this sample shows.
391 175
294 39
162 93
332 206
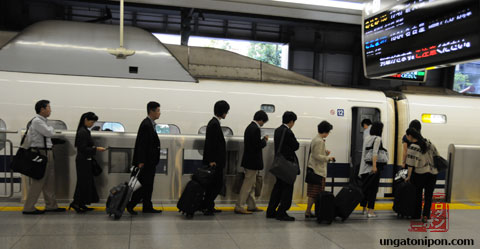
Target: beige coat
318 156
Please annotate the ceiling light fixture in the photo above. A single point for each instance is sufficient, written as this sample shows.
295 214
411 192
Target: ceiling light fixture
327 3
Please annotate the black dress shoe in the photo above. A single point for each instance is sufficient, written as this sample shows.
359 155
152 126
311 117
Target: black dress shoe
36 211
131 211
271 216
217 210
285 218
57 210
151 211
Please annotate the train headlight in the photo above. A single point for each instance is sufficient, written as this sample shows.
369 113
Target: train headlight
434 118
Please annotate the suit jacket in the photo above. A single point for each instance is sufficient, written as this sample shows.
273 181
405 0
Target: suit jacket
290 143
147 146
215 149
85 145
253 145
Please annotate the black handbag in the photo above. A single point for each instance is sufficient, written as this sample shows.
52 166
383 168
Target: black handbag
204 175
96 169
313 178
440 163
28 162
282 168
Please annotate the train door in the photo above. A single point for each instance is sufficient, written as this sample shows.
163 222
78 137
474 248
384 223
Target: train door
359 114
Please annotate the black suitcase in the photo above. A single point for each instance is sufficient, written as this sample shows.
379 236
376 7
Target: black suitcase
325 207
404 199
347 200
191 198
119 197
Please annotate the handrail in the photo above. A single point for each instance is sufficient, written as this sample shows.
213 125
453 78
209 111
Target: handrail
8 132
5 167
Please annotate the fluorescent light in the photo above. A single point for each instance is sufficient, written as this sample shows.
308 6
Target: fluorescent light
327 3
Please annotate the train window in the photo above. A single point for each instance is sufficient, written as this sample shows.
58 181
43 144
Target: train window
162 165
267 131
192 160
167 129
267 108
434 118
57 124
108 126
227 131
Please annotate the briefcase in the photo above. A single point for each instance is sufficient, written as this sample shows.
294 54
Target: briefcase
29 163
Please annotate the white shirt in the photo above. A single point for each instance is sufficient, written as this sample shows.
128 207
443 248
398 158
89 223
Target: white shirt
38 130
366 134
257 124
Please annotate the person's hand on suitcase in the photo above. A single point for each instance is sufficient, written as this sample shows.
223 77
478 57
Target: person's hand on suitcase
140 165
212 164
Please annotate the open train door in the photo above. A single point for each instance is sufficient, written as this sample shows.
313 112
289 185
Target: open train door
359 114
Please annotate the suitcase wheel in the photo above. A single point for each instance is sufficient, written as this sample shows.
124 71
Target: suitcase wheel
117 217
189 216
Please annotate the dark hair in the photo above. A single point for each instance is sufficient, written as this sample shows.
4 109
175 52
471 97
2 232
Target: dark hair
324 127
220 108
81 123
366 122
41 104
289 116
152 106
420 140
260 116
377 128
415 124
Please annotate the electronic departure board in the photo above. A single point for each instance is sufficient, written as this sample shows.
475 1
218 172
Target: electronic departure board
418 34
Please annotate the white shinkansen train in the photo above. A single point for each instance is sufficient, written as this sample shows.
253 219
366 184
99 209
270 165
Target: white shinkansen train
68 64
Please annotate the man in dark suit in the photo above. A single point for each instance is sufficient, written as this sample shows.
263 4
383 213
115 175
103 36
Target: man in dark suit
214 154
252 161
146 157
282 192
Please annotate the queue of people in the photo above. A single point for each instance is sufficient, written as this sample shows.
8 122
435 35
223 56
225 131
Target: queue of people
417 157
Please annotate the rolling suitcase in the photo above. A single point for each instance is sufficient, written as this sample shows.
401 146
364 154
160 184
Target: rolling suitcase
325 207
404 199
120 195
347 200
191 198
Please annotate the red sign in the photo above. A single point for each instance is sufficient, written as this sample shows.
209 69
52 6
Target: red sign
439 217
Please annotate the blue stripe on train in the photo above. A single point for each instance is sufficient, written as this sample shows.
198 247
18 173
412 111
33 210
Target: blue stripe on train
342 170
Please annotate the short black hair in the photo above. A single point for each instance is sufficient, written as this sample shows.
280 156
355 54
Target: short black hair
377 128
221 107
324 127
289 116
152 106
366 122
260 116
41 104
415 124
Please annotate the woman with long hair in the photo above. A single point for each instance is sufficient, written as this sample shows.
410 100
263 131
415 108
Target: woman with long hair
85 191
421 171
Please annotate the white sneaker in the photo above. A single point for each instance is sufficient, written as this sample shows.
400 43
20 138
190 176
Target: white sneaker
371 215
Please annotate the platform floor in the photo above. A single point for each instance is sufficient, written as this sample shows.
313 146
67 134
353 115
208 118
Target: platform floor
224 231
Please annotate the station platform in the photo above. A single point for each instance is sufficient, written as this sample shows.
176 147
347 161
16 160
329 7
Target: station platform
229 230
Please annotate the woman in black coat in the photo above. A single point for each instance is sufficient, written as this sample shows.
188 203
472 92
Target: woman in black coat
85 191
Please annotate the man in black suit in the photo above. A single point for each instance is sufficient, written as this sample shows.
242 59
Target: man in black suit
282 192
214 154
146 157
252 161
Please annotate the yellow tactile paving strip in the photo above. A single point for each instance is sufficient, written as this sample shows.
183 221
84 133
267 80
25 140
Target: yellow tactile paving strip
296 207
